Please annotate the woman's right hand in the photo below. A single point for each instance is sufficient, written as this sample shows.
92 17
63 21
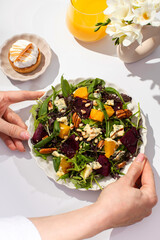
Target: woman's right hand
121 203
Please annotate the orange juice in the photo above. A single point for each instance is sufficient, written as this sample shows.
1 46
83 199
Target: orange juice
82 15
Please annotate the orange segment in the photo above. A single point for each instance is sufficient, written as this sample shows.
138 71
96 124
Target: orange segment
81 92
109 110
96 115
64 130
110 147
65 165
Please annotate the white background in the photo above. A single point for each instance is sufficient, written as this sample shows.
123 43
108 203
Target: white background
24 188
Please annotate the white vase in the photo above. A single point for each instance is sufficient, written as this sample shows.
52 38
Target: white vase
135 52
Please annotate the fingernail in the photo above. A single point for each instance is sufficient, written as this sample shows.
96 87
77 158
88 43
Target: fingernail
140 157
25 135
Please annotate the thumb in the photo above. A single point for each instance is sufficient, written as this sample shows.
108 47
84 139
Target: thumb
135 169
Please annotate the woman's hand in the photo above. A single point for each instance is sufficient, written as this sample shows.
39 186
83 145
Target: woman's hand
12 129
119 204
122 203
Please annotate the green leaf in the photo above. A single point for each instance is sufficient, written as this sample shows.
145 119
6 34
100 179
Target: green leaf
38 154
96 29
54 94
43 142
139 116
44 107
102 24
56 163
90 82
66 90
34 112
94 83
90 122
56 128
99 23
64 176
101 105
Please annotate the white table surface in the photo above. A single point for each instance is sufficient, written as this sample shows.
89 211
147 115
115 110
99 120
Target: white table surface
24 188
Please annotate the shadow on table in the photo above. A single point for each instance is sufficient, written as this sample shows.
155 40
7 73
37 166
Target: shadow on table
44 80
104 46
147 69
149 228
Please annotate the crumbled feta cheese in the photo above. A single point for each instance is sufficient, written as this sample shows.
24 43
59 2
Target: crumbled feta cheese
56 154
60 104
96 95
118 131
91 132
63 120
60 172
86 172
95 165
130 106
110 102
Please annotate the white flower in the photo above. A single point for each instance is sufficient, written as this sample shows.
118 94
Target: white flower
128 17
127 34
119 9
156 4
146 15
138 3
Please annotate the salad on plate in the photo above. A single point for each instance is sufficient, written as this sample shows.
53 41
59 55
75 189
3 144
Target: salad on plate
85 133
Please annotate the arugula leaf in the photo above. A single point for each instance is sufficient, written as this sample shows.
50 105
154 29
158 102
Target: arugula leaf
33 111
54 94
56 128
56 163
90 122
94 83
139 116
101 105
38 154
44 107
64 176
66 90
91 84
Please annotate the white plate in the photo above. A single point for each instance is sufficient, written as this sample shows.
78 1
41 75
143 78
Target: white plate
47 166
44 48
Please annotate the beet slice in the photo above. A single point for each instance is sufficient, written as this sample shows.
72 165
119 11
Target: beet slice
79 106
130 140
70 146
126 98
39 134
117 106
106 166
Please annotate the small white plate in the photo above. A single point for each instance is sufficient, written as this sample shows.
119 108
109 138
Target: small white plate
47 166
44 48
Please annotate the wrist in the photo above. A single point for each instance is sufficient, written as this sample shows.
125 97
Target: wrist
103 216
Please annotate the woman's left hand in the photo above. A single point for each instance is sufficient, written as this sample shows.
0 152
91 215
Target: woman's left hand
12 129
